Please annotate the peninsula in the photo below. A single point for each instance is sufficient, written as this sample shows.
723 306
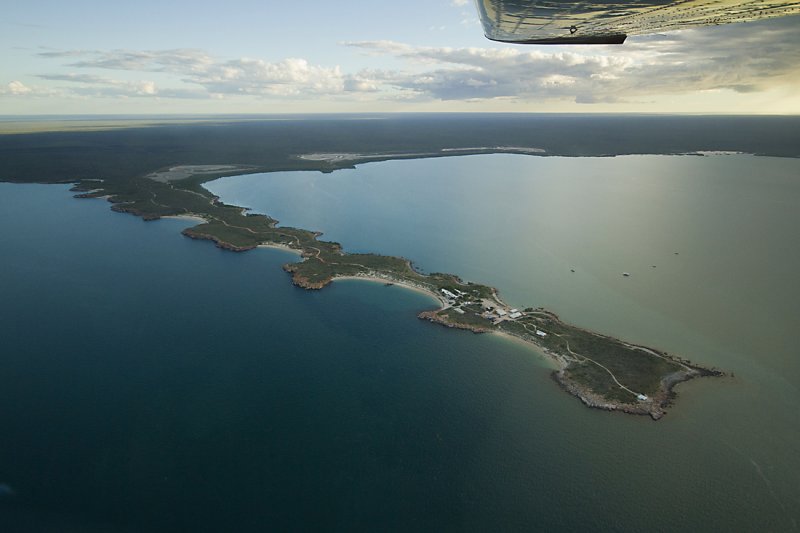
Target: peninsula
602 371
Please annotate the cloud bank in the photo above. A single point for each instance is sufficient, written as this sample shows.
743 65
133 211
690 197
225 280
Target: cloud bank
743 58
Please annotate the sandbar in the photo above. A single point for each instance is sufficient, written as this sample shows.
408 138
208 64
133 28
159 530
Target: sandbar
181 172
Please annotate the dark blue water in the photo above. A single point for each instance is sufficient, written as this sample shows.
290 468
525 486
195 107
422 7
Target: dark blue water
154 383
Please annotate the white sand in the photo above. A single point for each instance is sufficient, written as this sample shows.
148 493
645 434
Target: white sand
554 362
330 157
194 218
333 157
405 285
284 247
181 172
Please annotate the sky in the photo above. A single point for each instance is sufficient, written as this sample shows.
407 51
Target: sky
202 57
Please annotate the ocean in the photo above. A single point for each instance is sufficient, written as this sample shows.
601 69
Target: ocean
154 383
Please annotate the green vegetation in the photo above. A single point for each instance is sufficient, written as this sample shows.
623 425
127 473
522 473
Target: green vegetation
598 380
639 370
467 318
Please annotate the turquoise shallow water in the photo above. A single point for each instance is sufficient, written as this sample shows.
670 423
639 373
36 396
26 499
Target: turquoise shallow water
154 383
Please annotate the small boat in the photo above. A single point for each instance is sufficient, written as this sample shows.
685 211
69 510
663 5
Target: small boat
626 274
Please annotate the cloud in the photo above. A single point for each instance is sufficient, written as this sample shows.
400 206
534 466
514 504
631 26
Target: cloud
486 73
91 85
146 60
17 88
76 78
741 58
139 89
62 53
745 58
290 77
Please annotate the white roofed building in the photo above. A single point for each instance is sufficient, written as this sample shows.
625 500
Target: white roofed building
449 294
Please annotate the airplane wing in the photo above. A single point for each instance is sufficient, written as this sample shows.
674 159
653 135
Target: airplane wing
611 21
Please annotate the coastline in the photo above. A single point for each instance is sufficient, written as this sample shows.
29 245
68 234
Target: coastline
556 363
602 371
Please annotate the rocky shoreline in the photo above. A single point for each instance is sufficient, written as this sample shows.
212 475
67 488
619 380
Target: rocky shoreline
433 316
216 240
299 280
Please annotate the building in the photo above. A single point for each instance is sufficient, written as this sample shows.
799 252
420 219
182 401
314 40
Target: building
541 333
449 294
500 312
514 314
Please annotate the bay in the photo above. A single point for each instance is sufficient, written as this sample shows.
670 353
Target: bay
154 383
710 242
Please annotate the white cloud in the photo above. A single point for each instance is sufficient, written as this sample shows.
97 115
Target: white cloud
291 77
742 58
100 86
17 87
766 55
146 88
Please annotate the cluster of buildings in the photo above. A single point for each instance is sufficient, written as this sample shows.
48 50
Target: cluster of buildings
491 312
452 296
498 314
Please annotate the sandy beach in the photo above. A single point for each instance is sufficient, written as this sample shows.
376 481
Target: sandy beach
342 157
284 247
181 172
405 285
555 363
194 218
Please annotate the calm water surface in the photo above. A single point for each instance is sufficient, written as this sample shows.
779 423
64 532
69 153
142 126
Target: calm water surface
154 383
710 242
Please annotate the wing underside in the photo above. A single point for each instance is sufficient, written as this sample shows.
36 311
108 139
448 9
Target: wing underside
609 22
